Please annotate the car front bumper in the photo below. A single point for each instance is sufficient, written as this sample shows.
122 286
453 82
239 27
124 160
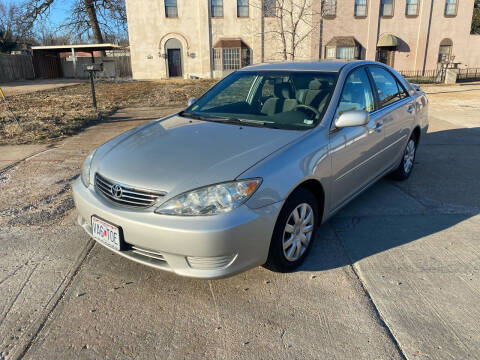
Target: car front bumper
197 246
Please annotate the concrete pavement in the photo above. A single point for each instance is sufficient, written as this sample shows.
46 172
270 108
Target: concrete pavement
12 154
29 86
394 275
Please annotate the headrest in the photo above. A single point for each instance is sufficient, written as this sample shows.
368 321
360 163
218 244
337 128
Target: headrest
283 90
315 85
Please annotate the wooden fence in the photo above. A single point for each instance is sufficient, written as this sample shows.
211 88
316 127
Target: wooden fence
123 66
49 66
16 67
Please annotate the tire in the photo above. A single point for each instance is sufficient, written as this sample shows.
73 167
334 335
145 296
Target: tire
403 171
304 203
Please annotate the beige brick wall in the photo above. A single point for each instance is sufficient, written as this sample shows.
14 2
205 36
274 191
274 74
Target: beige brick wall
149 29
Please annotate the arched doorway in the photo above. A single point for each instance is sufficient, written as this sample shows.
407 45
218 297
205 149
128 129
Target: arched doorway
173 50
445 51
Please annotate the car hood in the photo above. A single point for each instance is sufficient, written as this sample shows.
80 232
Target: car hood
178 154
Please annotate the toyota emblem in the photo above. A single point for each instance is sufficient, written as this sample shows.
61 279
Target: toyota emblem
116 191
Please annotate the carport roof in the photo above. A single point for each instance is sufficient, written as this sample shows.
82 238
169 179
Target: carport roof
78 47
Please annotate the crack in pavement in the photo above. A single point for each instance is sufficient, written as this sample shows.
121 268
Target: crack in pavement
19 292
15 163
43 322
377 313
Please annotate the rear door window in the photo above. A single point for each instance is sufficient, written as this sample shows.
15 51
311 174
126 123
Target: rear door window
387 86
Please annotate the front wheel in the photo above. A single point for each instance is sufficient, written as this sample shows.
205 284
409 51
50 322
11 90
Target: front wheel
405 168
294 232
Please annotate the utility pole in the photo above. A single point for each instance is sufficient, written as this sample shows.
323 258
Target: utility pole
263 31
428 37
210 36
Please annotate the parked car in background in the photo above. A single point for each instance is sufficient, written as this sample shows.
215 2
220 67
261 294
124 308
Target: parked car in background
246 173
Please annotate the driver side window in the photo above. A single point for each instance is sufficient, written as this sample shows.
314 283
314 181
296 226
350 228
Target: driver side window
357 93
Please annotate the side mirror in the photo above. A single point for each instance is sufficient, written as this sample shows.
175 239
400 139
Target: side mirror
352 118
191 101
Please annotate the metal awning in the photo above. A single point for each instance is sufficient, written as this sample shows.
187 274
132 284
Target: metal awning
446 42
387 40
230 43
342 41
77 47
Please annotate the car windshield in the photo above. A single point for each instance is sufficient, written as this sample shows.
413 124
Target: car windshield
285 100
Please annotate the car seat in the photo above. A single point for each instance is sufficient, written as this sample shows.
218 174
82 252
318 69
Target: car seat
282 102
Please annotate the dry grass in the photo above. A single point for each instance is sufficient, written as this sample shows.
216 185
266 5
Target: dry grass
50 115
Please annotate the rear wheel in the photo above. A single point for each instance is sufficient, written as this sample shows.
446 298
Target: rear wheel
405 168
294 232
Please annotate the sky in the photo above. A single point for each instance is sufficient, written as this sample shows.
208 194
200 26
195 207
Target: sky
58 11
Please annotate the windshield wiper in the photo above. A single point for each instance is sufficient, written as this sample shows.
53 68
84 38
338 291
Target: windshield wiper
255 122
205 117
231 120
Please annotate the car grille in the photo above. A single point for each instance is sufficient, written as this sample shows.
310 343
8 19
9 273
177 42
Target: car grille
124 194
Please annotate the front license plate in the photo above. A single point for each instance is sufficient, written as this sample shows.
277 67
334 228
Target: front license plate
106 233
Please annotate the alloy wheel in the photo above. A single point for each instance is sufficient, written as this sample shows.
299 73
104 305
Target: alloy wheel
409 156
298 232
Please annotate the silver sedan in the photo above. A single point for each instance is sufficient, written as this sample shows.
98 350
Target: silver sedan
246 173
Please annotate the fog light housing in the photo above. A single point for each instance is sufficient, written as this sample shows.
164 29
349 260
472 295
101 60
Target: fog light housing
211 263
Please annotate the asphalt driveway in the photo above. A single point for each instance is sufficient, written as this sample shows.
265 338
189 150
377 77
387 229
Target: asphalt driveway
394 275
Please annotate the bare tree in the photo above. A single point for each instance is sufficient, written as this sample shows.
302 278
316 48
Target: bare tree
294 21
96 17
9 32
47 36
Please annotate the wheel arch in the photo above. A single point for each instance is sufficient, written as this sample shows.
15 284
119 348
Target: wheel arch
417 133
317 189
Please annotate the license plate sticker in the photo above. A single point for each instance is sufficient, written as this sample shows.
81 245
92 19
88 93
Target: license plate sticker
106 233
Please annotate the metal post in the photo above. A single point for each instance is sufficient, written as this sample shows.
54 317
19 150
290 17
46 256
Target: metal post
74 58
92 85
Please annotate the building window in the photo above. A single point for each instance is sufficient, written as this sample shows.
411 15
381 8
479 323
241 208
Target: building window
412 8
329 8
451 7
331 52
246 57
346 53
217 59
231 59
343 47
342 52
217 8
360 8
269 8
230 54
171 8
242 8
386 8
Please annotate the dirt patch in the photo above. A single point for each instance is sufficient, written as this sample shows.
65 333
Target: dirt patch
53 114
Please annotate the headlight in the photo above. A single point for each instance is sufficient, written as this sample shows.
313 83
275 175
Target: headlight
86 169
210 200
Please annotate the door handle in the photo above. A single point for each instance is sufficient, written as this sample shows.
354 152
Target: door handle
410 109
379 126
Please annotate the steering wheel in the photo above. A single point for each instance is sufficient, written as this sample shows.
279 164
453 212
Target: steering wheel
308 107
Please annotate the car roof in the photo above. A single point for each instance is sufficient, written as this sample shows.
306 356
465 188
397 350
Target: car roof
324 65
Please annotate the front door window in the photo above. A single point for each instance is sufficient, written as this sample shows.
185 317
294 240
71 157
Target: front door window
357 93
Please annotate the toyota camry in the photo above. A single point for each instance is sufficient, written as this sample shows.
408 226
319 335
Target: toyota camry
246 173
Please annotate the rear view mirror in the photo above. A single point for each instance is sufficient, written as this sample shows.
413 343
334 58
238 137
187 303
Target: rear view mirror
191 101
352 118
